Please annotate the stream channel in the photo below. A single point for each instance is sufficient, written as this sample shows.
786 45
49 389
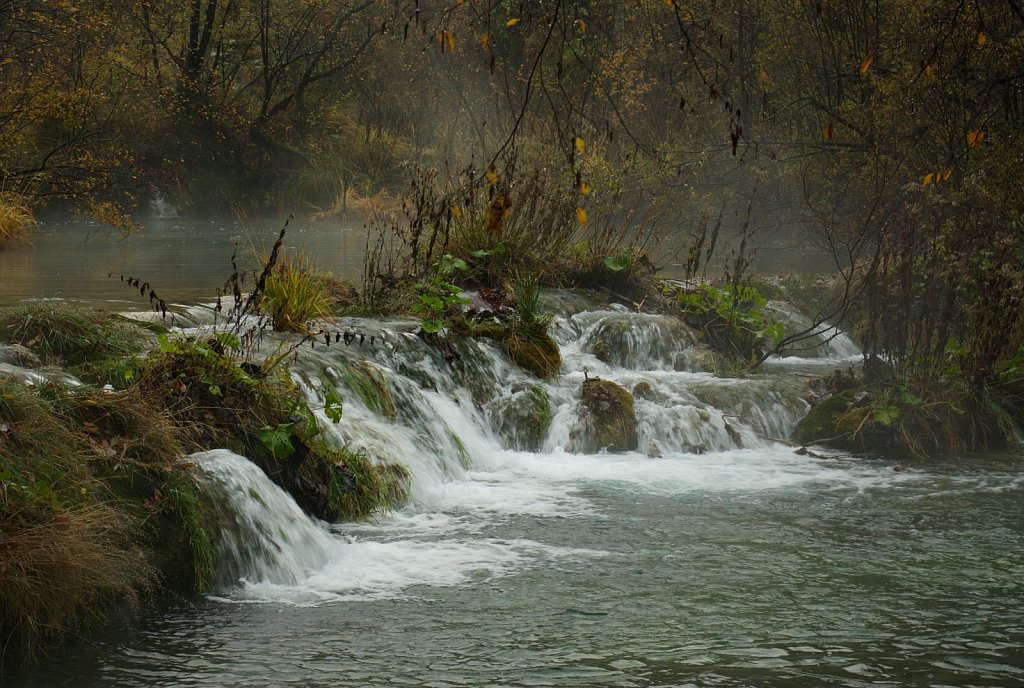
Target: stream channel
713 556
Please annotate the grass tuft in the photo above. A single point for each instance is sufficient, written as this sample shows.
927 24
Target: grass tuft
15 219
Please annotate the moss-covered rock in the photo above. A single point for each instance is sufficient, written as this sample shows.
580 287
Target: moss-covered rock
522 419
821 424
537 353
609 420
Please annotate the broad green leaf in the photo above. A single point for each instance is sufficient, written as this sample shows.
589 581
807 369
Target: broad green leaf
278 440
616 263
332 405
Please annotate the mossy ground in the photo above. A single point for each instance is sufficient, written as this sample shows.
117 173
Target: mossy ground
919 423
96 504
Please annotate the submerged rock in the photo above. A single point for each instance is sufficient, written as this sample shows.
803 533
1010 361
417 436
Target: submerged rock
609 418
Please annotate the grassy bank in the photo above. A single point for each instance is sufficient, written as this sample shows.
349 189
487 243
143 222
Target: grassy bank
98 507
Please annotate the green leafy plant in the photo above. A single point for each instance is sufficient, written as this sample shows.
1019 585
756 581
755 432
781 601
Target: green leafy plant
731 318
438 300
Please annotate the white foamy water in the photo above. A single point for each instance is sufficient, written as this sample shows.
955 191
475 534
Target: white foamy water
273 552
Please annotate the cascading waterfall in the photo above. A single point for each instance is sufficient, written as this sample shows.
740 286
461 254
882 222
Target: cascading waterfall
478 433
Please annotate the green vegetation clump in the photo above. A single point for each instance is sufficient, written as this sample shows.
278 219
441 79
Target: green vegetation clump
731 320
216 401
609 418
294 294
96 345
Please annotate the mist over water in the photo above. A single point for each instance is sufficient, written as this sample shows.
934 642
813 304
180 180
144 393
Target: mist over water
184 259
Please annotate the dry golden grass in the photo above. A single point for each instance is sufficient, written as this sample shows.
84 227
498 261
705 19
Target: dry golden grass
62 571
15 219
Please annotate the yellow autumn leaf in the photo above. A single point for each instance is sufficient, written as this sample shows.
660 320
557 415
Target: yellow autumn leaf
827 132
928 179
578 142
865 64
762 74
492 175
581 25
485 40
451 40
982 39
581 215
584 188
947 173
512 22
975 138
928 71
456 211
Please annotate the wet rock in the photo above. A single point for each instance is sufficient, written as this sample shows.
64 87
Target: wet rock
18 355
609 418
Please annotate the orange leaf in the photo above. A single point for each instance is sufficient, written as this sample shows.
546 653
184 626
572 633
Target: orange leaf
512 22
975 138
928 70
982 39
947 173
584 188
581 215
827 133
928 179
762 74
865 64
485 40
581 25
451 40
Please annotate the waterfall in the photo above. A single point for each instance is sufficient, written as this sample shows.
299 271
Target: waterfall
479 435
262 534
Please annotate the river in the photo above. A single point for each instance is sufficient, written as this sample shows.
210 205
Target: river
745 565
713 556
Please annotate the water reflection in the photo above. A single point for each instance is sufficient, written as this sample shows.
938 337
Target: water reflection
184 259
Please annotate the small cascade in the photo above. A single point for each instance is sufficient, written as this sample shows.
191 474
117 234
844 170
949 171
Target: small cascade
826 342
408 402
262 534
161 208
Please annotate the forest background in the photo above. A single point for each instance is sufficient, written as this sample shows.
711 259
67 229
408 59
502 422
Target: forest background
889 130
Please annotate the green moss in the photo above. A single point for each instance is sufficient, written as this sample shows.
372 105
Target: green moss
366 380
522 419
609 418
821 422
357 486
536 353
